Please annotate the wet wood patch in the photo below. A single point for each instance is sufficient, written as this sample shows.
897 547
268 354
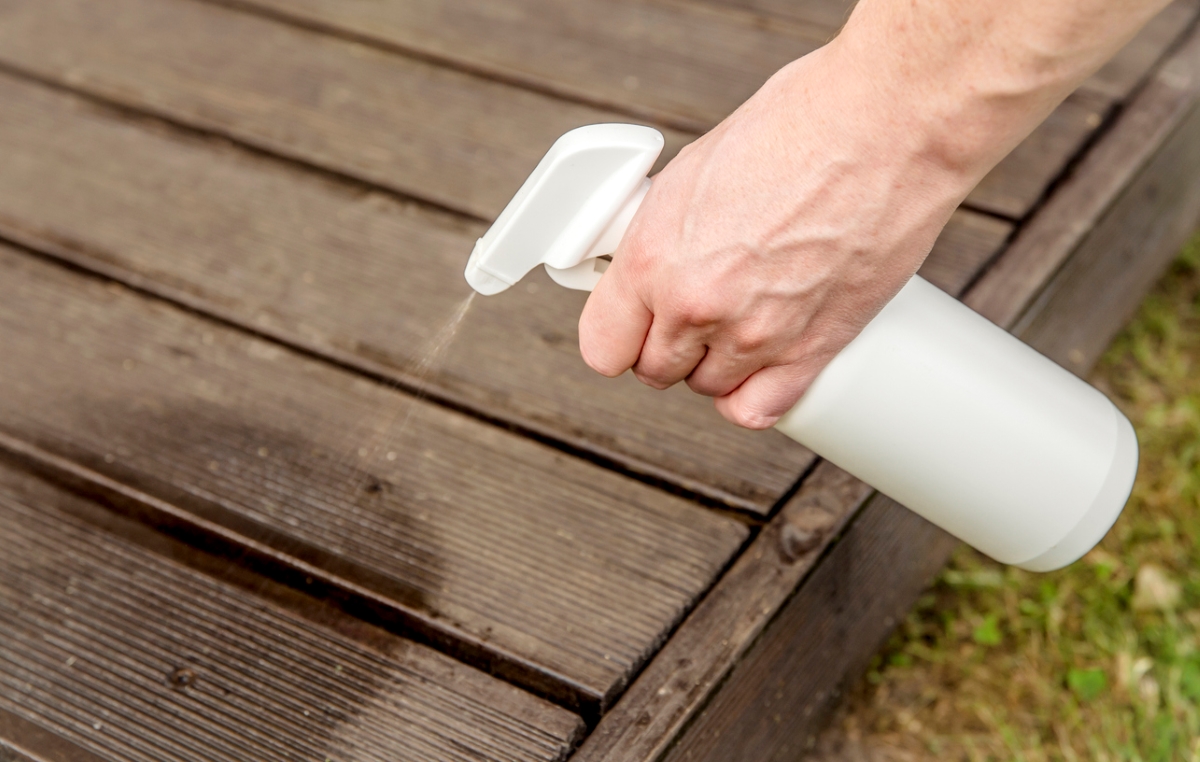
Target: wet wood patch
542 567
112 652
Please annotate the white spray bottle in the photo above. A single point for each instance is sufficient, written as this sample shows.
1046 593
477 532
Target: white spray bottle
931 404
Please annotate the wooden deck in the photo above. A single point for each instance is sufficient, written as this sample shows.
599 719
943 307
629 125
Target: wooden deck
243 516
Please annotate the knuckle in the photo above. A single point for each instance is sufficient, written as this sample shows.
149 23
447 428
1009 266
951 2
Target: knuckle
652 379
702 388
753 338
697 313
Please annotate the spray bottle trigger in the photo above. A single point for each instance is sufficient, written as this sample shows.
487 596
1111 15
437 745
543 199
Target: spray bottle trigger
582 277
586 274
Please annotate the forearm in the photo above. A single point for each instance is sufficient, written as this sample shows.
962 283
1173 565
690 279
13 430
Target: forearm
971 78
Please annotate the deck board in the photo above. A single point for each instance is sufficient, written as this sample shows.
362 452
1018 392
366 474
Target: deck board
1115 80
277 197
684 64
432 512
460 141
438 135
368 280
111 651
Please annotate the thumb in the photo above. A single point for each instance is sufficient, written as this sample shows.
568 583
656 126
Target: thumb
764 397
614 324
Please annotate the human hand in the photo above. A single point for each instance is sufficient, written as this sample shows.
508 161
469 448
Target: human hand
766 245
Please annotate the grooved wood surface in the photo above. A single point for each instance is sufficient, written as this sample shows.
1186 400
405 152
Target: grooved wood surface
827 631
250 160
408 125
369 281
682 64
1140 241
686 64
432 133
567 575
128 656
1041 247
662 704
1115 80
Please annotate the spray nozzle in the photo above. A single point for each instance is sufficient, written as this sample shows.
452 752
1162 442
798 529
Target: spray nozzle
573 208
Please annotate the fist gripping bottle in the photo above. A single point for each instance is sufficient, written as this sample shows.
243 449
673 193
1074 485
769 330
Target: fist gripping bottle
931 404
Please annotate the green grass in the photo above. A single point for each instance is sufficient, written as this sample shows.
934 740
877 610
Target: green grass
1099 661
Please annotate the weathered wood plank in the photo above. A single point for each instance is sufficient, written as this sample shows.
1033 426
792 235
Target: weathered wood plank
1115 80
1128 68
426 514
666 698
826 631
1015 185
1069 217
367 280
674 63
763 692
110 651
689 64
1140 235
825 15
443 136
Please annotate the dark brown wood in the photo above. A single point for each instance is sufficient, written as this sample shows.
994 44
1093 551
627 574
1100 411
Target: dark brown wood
690 64
423 514
1120 259
108 650
674 63
456 140
826 632
367 280
1016 184
434 134
762 692
1115 80
1076 209
663 702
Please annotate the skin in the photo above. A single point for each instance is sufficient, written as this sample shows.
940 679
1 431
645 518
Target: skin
765 246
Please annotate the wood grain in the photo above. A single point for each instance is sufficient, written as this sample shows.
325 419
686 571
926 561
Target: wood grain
1123 256
678 64
1042 246
1017 183
108 650
775 698
688 64
425 514
763 691
665 699
434 133
425 131
826 15
1115 80
368 281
